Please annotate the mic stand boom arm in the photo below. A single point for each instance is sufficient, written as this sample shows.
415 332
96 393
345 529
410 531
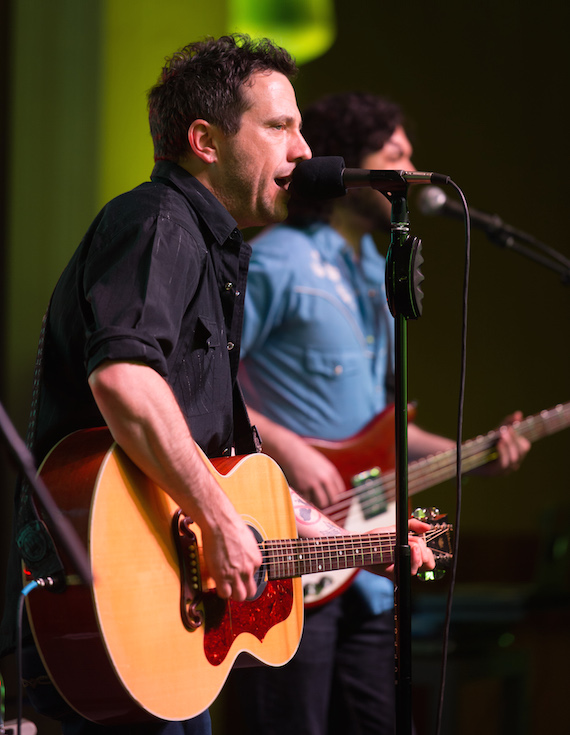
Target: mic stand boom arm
511 239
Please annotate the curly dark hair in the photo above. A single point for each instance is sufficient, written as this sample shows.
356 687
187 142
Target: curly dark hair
347 124
205 80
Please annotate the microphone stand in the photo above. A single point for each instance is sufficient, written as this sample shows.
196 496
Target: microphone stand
511 239
404 298
505 236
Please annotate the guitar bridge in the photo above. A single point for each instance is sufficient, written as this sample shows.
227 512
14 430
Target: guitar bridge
190 578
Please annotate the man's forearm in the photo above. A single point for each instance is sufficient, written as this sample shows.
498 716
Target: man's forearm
146 421
311 523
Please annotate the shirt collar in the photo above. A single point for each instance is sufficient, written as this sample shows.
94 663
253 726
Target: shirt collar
216 217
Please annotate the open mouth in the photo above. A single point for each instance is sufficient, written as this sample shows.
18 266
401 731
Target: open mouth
283 182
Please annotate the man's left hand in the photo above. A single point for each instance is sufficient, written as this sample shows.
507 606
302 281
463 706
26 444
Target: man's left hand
512 448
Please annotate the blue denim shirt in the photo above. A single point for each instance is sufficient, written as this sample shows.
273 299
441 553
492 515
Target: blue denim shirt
316 341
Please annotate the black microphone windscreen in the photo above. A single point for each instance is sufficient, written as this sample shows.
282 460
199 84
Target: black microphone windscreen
319 178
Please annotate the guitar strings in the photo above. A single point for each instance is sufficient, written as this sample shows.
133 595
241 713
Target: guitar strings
418 479
298 552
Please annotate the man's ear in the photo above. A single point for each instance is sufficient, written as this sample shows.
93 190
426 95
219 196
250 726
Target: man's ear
203 140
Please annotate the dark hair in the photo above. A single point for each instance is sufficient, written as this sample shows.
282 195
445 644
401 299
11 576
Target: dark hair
205 80
347 124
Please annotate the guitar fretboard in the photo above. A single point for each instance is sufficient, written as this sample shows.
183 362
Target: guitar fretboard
424 473
294 557
286 558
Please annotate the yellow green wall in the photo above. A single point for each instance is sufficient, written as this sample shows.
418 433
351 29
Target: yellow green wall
137 35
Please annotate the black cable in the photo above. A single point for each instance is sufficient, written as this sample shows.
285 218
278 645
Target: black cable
463 364
23 594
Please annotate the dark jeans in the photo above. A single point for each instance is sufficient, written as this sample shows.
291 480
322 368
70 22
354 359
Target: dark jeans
44 697
340 681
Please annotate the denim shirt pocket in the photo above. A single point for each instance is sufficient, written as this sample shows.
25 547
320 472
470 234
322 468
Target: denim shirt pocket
331 364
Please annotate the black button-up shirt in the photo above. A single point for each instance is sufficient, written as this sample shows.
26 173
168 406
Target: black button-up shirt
159 279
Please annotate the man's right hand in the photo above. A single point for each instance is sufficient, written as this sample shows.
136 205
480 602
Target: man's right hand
312 474
231 554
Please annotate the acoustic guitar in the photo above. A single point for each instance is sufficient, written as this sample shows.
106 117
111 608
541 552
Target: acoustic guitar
150 638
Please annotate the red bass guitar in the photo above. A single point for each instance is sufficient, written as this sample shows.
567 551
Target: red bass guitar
366 463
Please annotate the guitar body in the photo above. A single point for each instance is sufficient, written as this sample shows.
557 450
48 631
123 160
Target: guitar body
371 448
118 651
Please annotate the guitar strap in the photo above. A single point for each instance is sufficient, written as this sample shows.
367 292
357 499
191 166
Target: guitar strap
246 436
33 539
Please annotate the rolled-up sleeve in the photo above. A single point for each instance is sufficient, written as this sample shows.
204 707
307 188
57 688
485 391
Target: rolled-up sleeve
136 287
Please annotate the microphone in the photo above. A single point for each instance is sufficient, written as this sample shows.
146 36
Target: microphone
325 177
434 201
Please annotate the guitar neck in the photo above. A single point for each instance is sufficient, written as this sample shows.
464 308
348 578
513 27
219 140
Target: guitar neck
425 473
286 558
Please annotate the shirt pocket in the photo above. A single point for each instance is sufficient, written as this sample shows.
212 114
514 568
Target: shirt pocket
332 365
207 335
205 378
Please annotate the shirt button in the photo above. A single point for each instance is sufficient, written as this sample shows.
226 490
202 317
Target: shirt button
338 369
230 345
